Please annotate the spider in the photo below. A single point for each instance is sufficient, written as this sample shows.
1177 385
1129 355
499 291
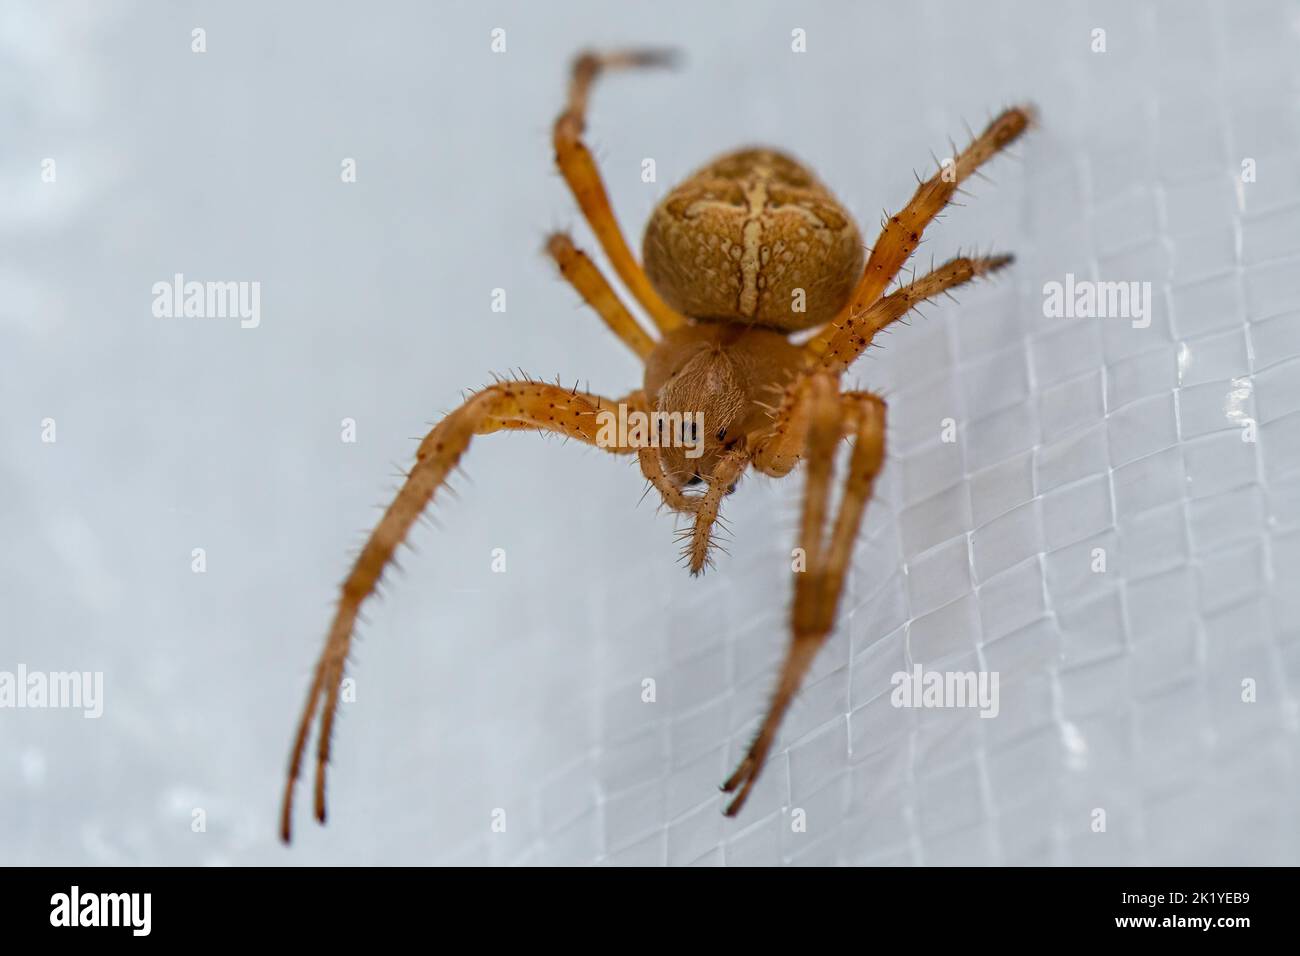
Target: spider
740 257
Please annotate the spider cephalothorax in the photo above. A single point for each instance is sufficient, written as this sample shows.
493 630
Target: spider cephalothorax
728 373
748 250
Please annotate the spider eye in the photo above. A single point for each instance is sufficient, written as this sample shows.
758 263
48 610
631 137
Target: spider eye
722 434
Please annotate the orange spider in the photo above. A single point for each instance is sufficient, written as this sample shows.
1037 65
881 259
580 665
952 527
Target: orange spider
746 252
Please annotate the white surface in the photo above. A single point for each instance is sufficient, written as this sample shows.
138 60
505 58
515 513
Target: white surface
521 691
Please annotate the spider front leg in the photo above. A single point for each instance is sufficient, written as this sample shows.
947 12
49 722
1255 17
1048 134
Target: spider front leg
699 537
579 170
817 589
901 234
499 407
674 498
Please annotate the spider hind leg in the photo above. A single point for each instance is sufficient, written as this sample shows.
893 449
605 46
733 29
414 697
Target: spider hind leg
578 167
818 587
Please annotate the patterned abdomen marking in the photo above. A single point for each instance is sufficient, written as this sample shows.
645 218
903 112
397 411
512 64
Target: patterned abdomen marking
737 240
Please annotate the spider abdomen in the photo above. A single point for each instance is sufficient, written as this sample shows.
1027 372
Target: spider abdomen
753 237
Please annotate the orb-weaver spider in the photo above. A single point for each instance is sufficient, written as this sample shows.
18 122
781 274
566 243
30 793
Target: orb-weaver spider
746 252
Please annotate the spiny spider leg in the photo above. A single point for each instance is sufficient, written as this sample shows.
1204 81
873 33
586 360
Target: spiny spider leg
901 234
704 507
856 331
578 167
674 498
816 431
503 406
725 475
818 587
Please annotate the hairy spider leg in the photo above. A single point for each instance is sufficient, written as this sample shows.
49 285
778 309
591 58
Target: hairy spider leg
901 233
855 333
818 587
698 540
502 406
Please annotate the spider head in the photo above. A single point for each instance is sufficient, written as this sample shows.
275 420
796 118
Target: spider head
709 383
697 414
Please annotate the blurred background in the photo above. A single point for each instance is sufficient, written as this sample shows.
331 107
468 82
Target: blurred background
521 691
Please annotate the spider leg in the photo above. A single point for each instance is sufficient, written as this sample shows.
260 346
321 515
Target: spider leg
855 332
585 276
817 589
781 445
503 406
578 167
901 233
674 498
725 474
699 537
